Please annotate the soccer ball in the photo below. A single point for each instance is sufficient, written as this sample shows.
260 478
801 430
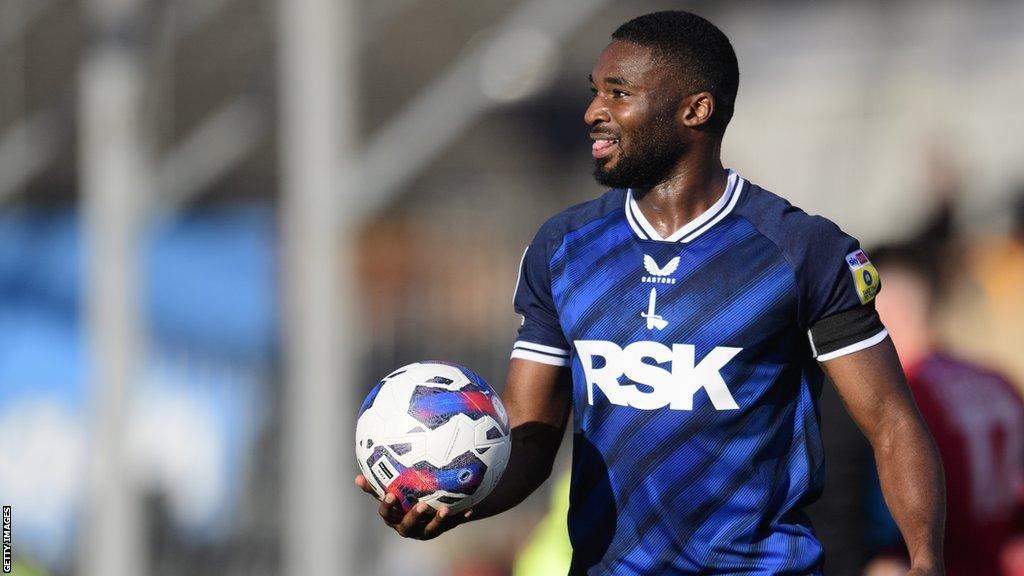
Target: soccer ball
433 432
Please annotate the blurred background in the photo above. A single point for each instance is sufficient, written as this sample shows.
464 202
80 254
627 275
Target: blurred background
221 221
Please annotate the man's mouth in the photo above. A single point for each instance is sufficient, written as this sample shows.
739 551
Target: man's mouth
602 147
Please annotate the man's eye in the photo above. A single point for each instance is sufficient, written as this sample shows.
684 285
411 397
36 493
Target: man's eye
619 93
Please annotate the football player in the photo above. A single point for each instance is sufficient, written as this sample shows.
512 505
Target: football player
686 319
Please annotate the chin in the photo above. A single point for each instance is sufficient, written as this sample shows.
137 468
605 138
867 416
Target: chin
604 172
609 180
602 177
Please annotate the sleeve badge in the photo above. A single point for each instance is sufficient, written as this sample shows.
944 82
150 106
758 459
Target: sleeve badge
865 276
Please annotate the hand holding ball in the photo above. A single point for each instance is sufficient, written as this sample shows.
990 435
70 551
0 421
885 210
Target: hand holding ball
435 433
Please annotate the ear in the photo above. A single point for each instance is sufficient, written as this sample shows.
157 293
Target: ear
696 109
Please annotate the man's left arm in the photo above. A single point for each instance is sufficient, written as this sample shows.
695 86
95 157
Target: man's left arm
873 388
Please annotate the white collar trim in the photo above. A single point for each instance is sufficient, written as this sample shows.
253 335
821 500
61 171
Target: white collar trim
719 210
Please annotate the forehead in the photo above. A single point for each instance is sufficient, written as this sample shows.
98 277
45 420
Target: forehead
632 62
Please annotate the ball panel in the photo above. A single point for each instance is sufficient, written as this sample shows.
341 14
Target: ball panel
436 406
433 432
370 398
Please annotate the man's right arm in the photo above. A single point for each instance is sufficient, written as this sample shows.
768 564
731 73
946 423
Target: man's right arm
537 399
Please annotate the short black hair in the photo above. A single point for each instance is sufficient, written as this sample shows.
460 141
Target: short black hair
701 52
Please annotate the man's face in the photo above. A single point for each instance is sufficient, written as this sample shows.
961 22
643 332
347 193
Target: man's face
637 141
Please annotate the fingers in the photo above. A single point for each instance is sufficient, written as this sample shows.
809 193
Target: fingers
390 510
415 519
425 524
435 526
444 521
387 509
364 485
421 522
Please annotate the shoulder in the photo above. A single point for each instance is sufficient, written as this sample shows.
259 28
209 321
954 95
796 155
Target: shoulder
802 238
554 230
832 273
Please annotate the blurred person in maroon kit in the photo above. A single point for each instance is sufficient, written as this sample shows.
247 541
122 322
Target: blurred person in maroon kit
975 414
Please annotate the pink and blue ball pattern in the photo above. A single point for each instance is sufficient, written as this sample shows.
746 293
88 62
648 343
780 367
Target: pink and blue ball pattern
462 475
436 406
433 407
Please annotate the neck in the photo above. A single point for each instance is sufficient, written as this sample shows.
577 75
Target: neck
695 184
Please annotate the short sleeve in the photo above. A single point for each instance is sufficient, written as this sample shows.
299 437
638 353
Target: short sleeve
540 335
839 285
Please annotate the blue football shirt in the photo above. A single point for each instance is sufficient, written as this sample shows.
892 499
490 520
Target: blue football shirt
695 376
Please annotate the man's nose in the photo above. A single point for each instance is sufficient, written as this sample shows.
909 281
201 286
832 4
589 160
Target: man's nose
596 112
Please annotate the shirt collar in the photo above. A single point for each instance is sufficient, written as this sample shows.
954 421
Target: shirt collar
719 210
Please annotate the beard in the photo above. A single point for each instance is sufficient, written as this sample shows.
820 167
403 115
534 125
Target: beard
653 155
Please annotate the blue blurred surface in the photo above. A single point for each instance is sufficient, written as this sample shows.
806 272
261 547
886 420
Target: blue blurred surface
210 315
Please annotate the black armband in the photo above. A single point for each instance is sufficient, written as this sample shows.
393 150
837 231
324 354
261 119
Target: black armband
846 332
